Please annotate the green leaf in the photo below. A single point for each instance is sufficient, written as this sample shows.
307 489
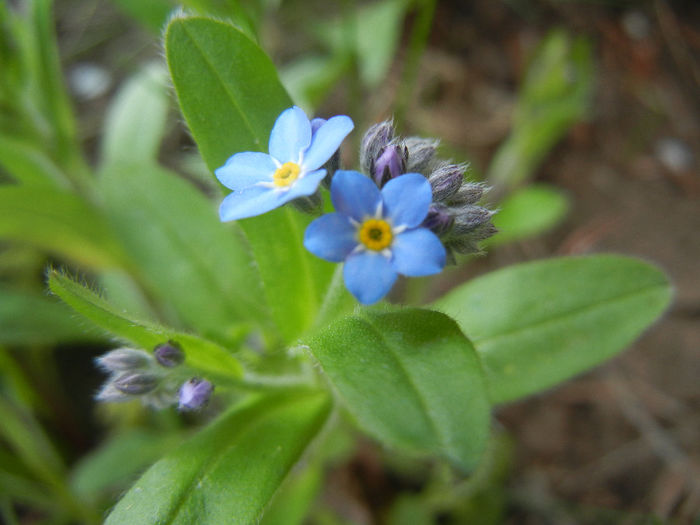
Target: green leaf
311 78
190 260
528 212
555 94
371 33
135 121
230 96
118 460
30 318
200 353
152 14
229 471
536 324
227 87
60 223
290 505
28 165
411 379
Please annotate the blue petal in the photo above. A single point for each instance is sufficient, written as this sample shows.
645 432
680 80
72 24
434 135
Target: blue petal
369 276
326 140
407 199
290 136
330 237
418 252
245 169
250 202
354 195
307 184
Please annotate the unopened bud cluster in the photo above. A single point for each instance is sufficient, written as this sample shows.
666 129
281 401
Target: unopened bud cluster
154 378
454 216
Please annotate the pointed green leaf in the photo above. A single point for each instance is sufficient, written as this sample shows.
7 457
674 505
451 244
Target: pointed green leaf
537 324
229 471
197 266
135 121
411 379
60 223
230 95
200 353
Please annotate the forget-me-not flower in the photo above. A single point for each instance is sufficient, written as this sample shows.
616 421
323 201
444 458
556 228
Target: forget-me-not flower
262 182
377 233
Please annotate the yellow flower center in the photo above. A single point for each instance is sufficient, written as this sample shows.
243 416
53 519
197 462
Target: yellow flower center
375 234
286 174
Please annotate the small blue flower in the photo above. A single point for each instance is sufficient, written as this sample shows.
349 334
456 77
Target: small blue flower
377 233
262 182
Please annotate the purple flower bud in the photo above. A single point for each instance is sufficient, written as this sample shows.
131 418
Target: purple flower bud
438 220
446 180
169 354
377 138
389 165
194 394
123 359
135 384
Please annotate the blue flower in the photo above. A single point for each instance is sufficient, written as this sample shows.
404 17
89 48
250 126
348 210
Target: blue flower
262 182
377 233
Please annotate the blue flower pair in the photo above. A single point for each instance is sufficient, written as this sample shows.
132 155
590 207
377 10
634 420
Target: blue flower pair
298 148
376 233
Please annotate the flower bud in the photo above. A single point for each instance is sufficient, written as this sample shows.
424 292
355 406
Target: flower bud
123 359
446 180
469 193
469 218
389 165
438 220
420 154
311 204
377 138
135 384
194 394
110 394
169 354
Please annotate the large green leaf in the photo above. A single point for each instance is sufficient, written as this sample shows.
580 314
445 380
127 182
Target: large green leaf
230 95
228 472
200 353
537 324
411 379
60 223
200 268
